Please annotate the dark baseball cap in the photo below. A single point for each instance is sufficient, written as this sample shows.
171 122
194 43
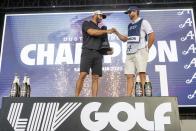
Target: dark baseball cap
131 8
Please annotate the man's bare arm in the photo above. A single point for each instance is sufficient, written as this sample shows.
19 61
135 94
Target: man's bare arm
151 38
95 32
121 37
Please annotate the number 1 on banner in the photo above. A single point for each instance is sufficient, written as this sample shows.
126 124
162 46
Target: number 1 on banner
163 79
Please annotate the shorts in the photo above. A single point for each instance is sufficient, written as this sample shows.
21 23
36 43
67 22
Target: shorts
91 59
136 62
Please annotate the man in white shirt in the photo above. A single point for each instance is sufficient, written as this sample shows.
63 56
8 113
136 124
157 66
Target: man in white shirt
139 40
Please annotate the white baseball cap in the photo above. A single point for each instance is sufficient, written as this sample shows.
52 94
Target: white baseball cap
98 12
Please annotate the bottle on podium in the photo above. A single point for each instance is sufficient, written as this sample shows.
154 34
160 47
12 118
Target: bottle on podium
15 88
24 87
28 87
147 87
138 86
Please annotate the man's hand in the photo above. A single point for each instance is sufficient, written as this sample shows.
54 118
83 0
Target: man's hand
115 30
120 36
110 31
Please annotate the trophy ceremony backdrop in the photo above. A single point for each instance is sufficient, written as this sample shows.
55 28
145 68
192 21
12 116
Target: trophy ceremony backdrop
47 47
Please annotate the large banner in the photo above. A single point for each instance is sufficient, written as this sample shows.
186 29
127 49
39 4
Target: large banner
47 46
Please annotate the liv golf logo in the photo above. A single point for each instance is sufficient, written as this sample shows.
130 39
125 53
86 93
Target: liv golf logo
136 115
48 116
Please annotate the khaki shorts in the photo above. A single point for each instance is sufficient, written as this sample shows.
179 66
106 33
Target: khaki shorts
136 62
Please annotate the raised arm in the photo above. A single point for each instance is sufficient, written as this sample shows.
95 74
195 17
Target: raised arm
121 37
95 32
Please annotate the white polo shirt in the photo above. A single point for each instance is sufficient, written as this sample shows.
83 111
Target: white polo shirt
145 29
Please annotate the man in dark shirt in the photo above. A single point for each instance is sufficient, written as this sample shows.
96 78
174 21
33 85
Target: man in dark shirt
91 58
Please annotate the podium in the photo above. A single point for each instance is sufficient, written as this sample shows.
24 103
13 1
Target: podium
90 113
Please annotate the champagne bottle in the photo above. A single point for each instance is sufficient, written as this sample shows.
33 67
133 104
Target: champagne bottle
28 87
148 87
15 89
24 87
138 86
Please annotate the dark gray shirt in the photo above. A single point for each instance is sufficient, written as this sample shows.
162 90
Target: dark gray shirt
90 42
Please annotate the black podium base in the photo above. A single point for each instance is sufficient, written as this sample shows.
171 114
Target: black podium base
90 113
